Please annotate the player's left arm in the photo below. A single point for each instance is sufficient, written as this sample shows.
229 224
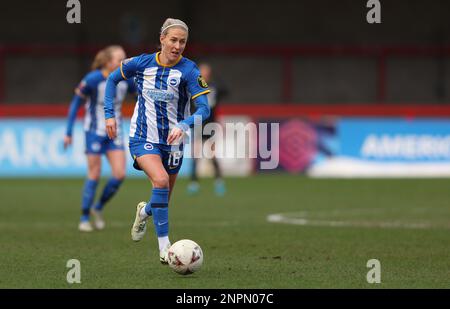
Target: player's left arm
199 88
202 112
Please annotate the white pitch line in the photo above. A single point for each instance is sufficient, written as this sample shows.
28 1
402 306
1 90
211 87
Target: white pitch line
300 219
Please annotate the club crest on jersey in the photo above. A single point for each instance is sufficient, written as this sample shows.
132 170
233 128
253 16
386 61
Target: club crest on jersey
174 82
96 146
202 83
148 146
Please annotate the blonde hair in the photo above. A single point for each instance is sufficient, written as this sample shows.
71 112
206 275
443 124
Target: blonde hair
103 56
172 22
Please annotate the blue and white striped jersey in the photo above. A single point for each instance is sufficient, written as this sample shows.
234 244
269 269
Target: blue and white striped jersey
164 95
92 89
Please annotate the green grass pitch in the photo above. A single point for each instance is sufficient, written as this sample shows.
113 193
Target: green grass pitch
405 224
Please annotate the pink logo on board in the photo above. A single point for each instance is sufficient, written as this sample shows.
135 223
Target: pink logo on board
298 145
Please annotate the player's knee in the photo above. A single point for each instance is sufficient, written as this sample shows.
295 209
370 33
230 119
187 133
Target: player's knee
120 177
94 173
161 181
119 174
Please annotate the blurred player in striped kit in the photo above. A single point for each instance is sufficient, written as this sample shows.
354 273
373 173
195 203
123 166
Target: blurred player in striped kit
91 92
166 82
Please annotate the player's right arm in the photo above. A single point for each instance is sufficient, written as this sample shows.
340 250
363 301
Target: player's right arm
126 70
81 92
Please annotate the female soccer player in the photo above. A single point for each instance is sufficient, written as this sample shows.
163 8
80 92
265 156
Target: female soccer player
91 91
166 83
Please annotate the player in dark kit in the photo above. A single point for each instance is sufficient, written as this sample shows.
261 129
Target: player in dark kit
217 93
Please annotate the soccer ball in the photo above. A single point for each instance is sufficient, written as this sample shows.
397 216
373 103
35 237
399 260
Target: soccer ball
185 257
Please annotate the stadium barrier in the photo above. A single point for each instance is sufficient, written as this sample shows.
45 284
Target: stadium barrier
320 140
357 140
33 147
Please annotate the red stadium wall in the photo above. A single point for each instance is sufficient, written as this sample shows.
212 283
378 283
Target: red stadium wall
286 54
320 110
258 110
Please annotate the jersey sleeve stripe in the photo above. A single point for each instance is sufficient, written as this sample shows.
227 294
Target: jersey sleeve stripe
200 93
121 71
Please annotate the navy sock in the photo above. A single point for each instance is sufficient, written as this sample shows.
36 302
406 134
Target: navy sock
159 208
110 189
90 186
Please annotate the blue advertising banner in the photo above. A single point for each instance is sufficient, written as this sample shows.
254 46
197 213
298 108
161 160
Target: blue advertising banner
365 147
346 147
34 147
395 140
388 147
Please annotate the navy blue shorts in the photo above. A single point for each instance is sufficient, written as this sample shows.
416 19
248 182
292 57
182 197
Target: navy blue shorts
171 155
96 144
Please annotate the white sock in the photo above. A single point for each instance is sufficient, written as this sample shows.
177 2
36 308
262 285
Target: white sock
163 242
143 214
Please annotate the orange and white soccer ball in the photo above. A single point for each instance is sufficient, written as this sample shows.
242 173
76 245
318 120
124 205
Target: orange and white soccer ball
185 257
